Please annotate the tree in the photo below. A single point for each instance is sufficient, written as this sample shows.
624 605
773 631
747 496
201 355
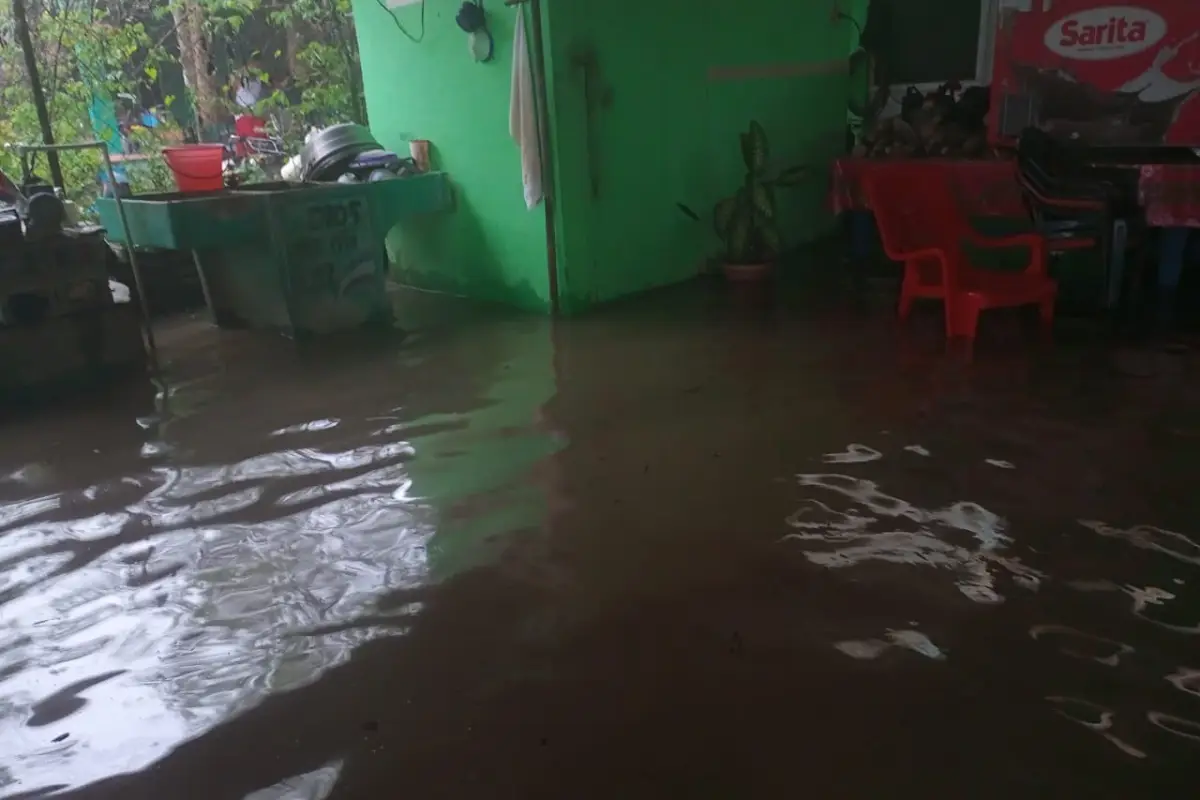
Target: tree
81 57
87 53
195 57
29 56
326 70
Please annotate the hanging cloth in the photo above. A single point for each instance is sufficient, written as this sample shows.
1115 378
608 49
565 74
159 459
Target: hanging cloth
522 116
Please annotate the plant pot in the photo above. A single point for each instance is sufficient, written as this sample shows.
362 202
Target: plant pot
747 273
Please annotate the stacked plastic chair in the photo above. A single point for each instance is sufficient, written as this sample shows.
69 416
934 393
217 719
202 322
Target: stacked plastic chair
923 225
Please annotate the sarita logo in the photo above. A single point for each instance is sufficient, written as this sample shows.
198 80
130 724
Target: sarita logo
1104 33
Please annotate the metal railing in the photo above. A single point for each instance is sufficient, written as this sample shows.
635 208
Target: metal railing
147 332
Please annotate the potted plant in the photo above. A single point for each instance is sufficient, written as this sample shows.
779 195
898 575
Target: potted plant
746 220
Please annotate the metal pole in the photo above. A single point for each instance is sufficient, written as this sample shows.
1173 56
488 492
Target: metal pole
542 103
147 331
21 23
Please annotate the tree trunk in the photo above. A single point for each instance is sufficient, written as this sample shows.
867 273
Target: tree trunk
348 47
187 50
195 59
347 43
21 23
292 51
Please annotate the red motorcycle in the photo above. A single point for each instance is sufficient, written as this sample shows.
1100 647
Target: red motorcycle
255 139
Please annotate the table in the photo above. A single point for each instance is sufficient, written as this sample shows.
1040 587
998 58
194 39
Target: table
988 187
1170 195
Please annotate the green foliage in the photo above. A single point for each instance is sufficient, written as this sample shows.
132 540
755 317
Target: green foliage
80 55
328 77
868 96
86 49
326 95
152 174
747 221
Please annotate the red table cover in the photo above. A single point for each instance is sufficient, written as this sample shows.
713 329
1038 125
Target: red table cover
1170 194
988 187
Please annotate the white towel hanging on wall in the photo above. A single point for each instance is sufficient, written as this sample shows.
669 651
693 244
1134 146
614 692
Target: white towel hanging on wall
522 116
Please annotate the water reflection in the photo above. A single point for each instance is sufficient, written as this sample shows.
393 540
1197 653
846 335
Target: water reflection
315 785
1094 717
1079 644
243 540
912 640
1149 537
880 527
138 611
1186 679
142 611
853 454
1144 602
1178 726
849 521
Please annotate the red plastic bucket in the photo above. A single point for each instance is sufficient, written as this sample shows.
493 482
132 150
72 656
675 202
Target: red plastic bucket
197 167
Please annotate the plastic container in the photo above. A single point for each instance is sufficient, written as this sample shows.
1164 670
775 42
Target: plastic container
197 167
419 150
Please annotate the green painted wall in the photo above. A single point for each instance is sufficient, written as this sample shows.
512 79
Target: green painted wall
676 83
490 247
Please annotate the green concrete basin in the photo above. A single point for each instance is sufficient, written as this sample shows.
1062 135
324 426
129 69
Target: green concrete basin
178 221
303 258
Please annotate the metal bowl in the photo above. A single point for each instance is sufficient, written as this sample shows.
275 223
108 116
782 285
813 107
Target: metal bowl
326 154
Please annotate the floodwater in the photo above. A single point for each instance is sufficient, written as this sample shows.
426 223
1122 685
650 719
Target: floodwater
686 547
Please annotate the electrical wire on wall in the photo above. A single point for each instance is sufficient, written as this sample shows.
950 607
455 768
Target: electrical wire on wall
840 15
415 39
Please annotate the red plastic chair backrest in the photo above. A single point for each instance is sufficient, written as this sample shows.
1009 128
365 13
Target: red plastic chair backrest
915 206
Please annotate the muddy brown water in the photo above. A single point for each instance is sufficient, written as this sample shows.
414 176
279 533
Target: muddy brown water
684 547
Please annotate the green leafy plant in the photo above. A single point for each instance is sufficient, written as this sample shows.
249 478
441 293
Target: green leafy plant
81 52
89 52
746 221
868 96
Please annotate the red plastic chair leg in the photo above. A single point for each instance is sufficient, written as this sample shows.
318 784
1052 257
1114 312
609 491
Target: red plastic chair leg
907 289
1046 312
963 319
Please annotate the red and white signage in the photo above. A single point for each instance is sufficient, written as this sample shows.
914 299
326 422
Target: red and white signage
1108 32
1103 73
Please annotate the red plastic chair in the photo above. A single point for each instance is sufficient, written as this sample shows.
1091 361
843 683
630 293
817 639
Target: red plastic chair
922 225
